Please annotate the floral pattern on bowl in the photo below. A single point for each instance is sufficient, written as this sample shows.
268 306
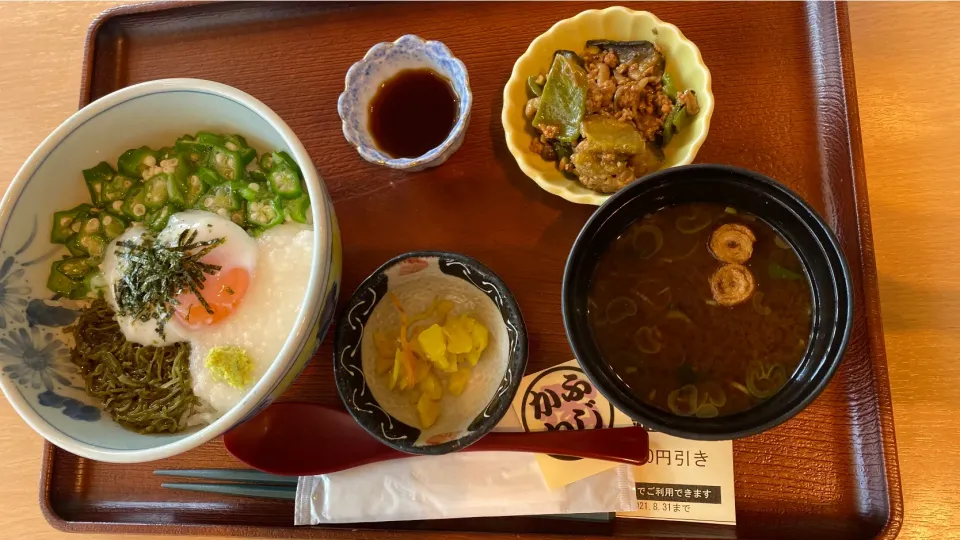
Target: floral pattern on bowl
34 350
380 63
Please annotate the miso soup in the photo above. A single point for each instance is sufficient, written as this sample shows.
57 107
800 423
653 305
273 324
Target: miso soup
702 310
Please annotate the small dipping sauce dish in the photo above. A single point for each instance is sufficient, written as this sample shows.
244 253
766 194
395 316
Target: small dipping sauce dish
406 104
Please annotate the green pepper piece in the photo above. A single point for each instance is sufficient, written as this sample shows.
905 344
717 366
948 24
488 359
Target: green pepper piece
157 219
155 191
113 225
75 267
668 125
60 283
117 189
210 139
63 223
562 150
221 200
297 209
136 160
238 144
194 189
669 88
680 119
96 177
564 98
227 163
134 205
535 88
265 213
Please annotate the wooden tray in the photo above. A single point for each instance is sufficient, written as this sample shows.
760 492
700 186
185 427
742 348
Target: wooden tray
786 106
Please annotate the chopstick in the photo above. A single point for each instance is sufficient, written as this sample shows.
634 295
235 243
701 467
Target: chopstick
244 483
250 483
232 475
240 490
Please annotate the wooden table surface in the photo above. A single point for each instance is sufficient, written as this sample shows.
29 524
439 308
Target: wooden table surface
908 74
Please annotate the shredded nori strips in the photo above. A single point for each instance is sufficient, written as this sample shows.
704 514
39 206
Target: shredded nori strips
154 274
145 389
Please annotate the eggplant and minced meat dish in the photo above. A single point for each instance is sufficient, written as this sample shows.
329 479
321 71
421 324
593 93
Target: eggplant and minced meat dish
604 116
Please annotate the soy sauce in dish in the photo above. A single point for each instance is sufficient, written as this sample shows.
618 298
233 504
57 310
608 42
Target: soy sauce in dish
702 310
412 113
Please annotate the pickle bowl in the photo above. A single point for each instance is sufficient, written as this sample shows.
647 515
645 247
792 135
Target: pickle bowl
423 278
38 378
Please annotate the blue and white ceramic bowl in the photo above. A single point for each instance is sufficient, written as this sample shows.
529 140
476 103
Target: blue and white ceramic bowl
383 61
37 376
422 277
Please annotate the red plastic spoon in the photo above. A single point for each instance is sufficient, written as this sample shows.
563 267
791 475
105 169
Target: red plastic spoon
305 439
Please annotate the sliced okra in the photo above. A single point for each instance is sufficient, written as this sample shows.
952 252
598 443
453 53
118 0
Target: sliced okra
155 193
96 178
62 284
63 222
136 160
265 213
134 205
116 189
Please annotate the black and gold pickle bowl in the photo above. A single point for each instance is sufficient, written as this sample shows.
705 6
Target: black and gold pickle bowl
422 277
819 253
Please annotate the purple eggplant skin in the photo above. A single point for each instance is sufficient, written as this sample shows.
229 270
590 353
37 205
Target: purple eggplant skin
644 52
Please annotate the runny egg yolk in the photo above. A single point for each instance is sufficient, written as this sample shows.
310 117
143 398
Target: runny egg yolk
222 291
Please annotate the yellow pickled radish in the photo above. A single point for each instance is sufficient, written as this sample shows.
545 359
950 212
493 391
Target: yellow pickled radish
421 369
457 330
395 373
429 411
431 387
458 381
436 358
481 338
434 345
444 307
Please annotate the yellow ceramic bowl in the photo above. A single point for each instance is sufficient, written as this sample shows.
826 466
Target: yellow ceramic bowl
684 64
